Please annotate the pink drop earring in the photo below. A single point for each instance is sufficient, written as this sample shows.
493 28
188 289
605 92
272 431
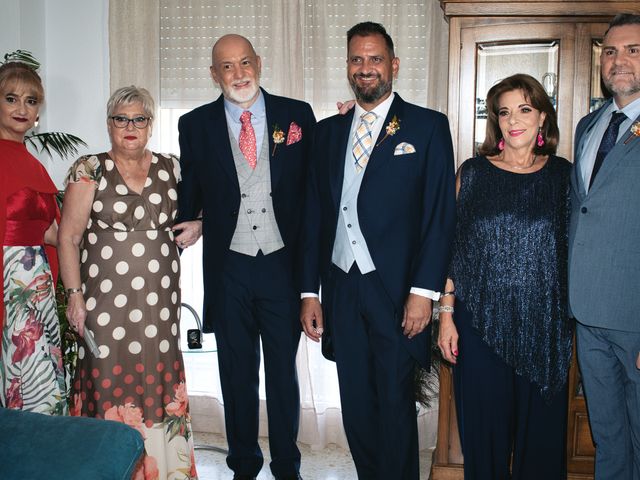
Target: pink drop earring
540 140
501 144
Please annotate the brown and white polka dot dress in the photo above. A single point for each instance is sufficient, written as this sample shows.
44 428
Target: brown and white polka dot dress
130 273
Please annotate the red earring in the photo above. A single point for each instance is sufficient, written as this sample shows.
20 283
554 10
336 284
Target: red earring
501 144
540 141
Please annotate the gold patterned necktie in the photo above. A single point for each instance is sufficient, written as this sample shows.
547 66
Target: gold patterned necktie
363 141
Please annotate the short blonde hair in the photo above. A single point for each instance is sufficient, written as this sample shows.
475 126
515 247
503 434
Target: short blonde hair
18 73
131 94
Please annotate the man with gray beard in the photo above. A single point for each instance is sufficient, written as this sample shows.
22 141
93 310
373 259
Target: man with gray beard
244 162
377 229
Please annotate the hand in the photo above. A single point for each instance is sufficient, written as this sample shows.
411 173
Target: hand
448 338
189 233
344 107
417 314
311 318
76 313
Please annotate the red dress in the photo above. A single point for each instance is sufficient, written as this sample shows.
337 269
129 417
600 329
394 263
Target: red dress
31 369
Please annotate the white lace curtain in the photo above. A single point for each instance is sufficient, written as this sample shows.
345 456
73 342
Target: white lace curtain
165 46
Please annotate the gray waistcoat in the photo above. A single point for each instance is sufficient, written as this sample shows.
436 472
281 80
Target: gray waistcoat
256 228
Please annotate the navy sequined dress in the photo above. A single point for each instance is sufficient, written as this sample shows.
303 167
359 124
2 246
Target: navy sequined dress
509 265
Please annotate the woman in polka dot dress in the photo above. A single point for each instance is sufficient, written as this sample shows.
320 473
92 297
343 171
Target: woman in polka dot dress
120 268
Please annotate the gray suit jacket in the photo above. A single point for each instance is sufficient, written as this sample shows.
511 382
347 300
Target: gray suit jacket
604 236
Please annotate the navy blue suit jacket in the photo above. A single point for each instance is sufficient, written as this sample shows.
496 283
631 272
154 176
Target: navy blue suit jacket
406 207
210 184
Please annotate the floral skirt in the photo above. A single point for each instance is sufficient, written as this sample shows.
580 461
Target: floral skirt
31 370
163 422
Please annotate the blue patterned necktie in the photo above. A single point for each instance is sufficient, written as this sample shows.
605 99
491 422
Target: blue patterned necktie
363 141
608 141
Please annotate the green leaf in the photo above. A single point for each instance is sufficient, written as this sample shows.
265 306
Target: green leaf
64 144
23 56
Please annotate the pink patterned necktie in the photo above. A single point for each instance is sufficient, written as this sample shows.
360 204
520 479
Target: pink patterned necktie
247 140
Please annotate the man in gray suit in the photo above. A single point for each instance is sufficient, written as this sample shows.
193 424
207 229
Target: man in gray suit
604 256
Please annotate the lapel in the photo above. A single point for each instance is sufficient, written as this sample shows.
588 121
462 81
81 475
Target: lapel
619 151
576 182
218 139
274 117
581 134
338 152
383 148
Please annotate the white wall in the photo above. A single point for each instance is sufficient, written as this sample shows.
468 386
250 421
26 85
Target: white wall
70 39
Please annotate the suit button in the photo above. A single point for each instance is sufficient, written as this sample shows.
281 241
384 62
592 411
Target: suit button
234 213
255 227
583 209
348 225
264 210
249 211
344 209
353 242
244 195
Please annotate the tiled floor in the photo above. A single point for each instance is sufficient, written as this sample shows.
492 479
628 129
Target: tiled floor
332 463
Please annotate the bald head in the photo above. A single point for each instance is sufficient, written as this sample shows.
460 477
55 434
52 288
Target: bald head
231 41
236 68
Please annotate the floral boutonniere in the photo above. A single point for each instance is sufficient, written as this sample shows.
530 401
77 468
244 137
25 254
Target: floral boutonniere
391 129
635 132
278 137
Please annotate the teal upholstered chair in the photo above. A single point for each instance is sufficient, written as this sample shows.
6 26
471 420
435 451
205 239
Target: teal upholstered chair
35 446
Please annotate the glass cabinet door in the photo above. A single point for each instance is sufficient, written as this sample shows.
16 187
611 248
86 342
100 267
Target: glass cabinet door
496 61
598 95
492 52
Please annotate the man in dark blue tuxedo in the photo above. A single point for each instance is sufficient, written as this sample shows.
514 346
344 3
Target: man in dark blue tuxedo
379 220
244 162
604 257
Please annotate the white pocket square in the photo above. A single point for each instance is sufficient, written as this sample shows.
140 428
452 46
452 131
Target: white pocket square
404 148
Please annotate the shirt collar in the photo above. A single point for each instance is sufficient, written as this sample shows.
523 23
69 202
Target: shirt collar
381 110
257 109
632 110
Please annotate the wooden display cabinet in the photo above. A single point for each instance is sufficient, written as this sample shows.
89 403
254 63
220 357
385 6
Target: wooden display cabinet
558 43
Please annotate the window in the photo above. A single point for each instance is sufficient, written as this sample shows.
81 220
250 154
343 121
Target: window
303 50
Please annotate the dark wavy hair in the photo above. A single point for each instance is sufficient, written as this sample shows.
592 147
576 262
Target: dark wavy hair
535 94
364 29
623 19
18 73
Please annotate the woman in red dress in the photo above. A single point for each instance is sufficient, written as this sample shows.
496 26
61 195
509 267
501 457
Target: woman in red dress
31 370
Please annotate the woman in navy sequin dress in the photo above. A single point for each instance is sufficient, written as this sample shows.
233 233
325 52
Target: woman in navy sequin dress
510 337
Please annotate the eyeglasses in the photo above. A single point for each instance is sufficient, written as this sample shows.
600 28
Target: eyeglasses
123 122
